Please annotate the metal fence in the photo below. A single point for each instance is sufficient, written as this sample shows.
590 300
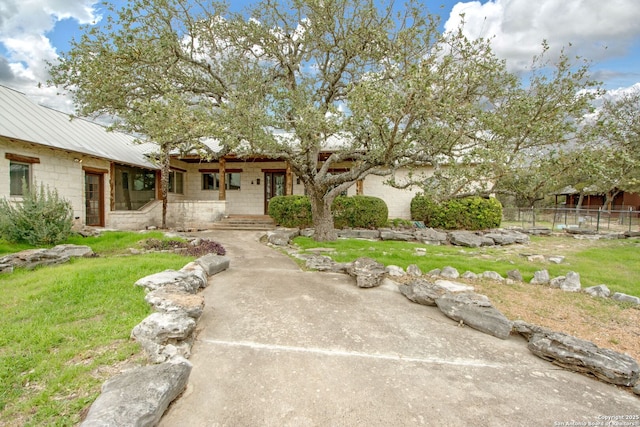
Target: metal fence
561 218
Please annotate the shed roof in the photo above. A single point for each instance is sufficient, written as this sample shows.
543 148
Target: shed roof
22 119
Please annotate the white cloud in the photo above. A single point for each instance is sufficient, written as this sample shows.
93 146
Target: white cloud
24 29
596 30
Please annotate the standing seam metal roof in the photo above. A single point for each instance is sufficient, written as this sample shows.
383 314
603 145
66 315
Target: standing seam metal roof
22 119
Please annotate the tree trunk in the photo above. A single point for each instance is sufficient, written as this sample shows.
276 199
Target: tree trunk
164 183
580 200
322 217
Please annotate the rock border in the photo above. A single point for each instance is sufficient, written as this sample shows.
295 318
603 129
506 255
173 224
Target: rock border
140 396
458 302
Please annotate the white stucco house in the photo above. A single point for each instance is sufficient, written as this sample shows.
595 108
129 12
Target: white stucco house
110 181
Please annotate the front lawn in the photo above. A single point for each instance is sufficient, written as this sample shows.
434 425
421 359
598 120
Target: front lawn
65 328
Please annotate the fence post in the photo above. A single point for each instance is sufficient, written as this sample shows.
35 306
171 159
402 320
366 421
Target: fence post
630 219
533 216
598 223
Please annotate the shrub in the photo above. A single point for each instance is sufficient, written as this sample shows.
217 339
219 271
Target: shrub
359 212
355 211
42 218
291 211
469 213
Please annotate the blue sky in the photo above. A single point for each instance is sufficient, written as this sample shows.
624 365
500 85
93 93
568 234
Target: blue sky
33 32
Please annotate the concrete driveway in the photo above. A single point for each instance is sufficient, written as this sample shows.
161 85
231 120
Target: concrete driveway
281 347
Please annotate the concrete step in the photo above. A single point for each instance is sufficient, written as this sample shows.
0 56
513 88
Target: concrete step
245 223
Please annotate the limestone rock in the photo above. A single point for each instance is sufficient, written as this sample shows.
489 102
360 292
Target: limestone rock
429 235
213 264
625 298
387 234
74 251
414 270
449 273
359 234
465 238
282 236
514 275
579 355
324 263
368 272
492 275
540 277
469 275
195 269
601 291
138 397
394 271
486 241
476 311
536 258
425 292
186 282
167 300
571 282
556 259
501 238
160 330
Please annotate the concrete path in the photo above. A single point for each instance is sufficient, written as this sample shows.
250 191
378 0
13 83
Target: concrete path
281 347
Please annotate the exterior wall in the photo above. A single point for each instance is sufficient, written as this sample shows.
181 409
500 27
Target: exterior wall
149 216
57 169
194 213
398 200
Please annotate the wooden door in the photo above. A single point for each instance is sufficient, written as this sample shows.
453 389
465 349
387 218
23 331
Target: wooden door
94 199
274 185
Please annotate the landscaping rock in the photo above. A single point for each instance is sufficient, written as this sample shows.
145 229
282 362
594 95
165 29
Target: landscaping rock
282 236
394 271
213 264
186 282
430 236
536 258
579 355
387 234
492 275
465 238
625 298
571 282
636 389
556 259
6 268
449 273
73 251
196 270
138 397
434 272
324 263
601 291
414 270
501 239
514 275
368 272
160 330
359 234
167 300
32 258
421 251
540 277
538 231
425 292
469 275
476 311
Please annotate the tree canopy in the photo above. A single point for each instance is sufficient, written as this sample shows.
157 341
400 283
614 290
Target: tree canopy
340 89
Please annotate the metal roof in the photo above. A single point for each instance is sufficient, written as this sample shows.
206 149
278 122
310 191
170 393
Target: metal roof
22 119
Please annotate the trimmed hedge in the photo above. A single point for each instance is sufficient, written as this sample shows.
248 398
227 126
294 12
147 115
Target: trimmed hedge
469 213
354 212
291 211
359 212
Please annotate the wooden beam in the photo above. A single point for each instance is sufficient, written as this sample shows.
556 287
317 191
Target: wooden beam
222 190
20 158
288 187
360 187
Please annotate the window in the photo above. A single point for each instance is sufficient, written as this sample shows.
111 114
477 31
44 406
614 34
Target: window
211 181
176 180
18 172
144 181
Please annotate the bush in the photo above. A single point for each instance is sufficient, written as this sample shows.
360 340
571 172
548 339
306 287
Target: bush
42 218
354 212
291 211
359 212
470 213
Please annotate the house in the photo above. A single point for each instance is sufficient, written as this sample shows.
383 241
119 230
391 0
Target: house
111 182
593 199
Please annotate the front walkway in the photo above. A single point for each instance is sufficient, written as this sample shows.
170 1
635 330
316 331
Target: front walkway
281 347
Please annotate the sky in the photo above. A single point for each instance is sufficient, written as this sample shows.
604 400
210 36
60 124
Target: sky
33 32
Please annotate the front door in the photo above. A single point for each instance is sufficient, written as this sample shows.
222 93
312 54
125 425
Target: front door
274 185
94 199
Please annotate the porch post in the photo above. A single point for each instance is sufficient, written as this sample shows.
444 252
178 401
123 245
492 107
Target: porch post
222 195
360 187
289 181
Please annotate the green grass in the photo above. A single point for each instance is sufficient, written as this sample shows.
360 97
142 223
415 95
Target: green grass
63 327
615 263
